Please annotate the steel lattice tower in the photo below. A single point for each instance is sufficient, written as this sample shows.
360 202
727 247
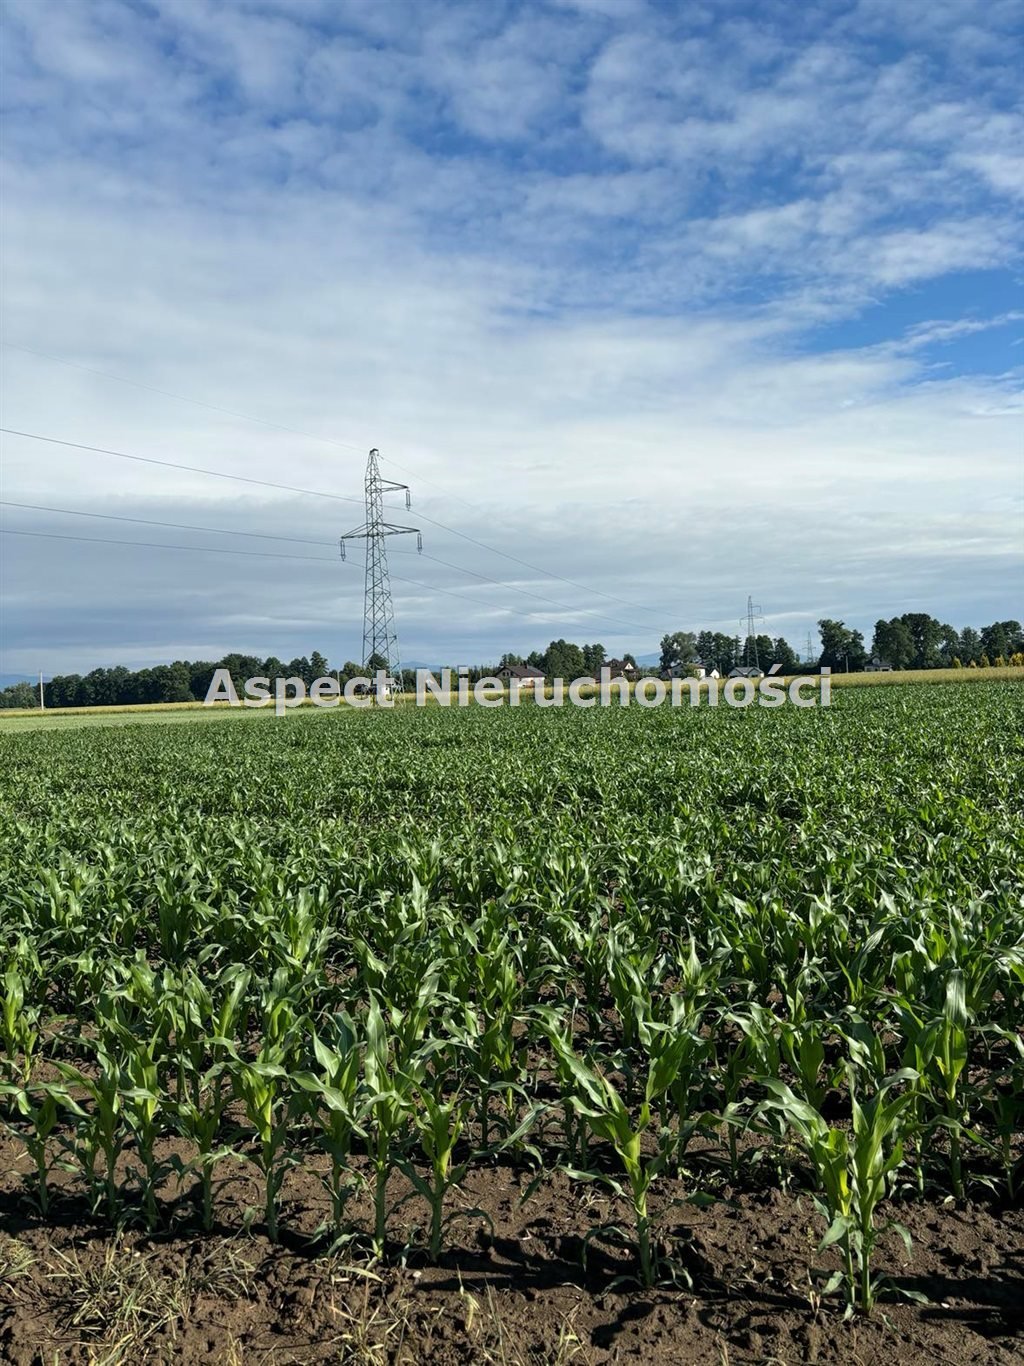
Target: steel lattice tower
379 635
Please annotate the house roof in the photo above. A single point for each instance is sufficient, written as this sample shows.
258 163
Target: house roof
521 671
746 671
618 666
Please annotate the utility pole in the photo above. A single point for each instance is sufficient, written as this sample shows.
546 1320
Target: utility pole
753 614
42 695
379 635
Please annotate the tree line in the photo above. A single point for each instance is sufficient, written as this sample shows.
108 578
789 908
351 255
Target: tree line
914 640
182 681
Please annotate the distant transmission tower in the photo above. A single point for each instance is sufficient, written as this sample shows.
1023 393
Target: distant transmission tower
379 635
753 614
810 649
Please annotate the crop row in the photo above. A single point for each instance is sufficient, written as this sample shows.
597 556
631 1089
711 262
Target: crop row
636 948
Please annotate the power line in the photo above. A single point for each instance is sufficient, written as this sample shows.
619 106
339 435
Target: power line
343 445
297 540
161 545
175 465
545 573
217 408
174 526
562 606
183 398
318 493
271 555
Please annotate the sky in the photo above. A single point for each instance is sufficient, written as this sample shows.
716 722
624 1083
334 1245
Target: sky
652 306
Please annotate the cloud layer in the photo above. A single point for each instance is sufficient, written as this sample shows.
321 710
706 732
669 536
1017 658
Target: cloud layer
676 307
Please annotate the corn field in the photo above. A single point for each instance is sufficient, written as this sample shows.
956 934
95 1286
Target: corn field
670 955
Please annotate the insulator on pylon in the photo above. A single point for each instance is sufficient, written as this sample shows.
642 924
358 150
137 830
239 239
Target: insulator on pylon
408 500
419 542
342 544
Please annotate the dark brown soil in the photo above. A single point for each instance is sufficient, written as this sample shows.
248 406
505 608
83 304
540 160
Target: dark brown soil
510 1291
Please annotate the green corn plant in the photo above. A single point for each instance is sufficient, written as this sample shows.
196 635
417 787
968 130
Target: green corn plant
384 1111
101 1131
41 1105
142 1098
296 934
334 1099
937 1042
803 1047
1003 1100
755 1051
482 974
595 1099
204 1021
263 1084
19 1026
437 1124
261 1087
630 971
674 1055
491 1053
198 1116
852 1169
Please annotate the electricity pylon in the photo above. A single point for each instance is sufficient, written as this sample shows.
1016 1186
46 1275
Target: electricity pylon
379 635
753 616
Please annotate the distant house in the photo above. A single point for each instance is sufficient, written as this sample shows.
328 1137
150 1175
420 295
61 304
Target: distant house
697 668
618 668
370 689
877 665
526 675
746 671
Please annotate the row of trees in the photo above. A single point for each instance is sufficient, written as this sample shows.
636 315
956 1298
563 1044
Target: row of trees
724 652
182 681
563 659
914 640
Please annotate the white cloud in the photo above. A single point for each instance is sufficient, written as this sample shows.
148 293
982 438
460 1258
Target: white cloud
563 264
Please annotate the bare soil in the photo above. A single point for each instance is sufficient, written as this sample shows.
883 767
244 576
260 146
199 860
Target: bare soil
512 1288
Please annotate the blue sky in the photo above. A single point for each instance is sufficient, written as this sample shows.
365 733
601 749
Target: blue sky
676 302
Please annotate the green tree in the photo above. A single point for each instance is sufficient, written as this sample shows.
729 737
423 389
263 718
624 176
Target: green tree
594 657
765 650
1002 638
893 642
783 654
678 649
949 644
64 690
179 681
927 634
970 645
841 648
318 666
564 660
19 695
